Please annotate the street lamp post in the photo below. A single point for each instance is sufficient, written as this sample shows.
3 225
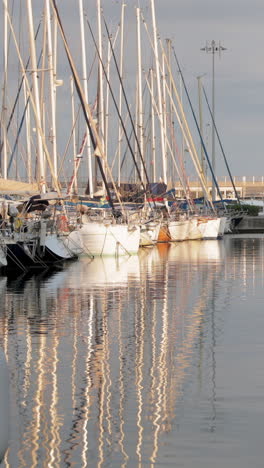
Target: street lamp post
213 48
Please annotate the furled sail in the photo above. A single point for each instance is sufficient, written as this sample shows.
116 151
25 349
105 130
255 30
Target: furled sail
16 187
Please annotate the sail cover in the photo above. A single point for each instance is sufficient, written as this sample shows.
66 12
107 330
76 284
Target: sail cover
16 187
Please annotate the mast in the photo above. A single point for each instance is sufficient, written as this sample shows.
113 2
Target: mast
170 110
107 96
28 140
85 90
153 133
41 174
101 122
201 118
52 94
164 110
160 110
73 137
168 143
95 137
3 162
107 99
120 90
136 143
140 107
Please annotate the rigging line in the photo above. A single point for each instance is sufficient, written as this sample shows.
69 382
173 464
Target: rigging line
114 100
68 143
17 137
38 124
131 133
85 107
118 113
199 131
116 152
125 153
18 91
182 122
186 187
21 121
129 113
221 146
169 144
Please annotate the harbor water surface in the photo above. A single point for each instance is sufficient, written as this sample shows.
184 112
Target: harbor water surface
151 360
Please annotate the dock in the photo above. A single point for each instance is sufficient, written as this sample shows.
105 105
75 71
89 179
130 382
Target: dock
246 187
251 225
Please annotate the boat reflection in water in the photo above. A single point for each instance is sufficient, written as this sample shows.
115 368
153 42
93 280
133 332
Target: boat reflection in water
4 405
103 272
101 353
199 251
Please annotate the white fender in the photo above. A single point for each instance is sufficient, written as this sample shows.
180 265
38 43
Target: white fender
4 405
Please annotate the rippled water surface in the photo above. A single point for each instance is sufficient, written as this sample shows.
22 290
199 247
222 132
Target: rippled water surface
154 360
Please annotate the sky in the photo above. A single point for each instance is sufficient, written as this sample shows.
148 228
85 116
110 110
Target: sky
191 24
239 72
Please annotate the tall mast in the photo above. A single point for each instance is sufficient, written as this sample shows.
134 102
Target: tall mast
3 162
153 133
107 96
73 136
28 135
164 109
95 137
52 94
36 96
120 90
160 109
101 113
85 89
136 142
200 118
140 109
170 111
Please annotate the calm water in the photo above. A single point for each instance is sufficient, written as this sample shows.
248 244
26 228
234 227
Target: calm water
155 360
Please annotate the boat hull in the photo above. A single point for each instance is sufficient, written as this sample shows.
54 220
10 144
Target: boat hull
211 230
101 239
164 234
149 234
196 229
3 260
179 230
25 255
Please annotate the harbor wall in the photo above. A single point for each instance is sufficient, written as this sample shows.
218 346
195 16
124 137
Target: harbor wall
251 224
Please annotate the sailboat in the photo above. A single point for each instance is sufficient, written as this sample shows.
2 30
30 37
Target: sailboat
100 232
31 237
102 235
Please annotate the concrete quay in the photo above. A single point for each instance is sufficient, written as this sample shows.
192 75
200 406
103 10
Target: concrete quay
250 225
246 187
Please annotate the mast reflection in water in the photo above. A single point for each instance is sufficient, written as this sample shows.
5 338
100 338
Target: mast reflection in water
115 362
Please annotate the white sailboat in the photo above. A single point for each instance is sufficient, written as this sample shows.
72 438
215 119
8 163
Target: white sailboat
108 233
104 236
149 233
179 228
